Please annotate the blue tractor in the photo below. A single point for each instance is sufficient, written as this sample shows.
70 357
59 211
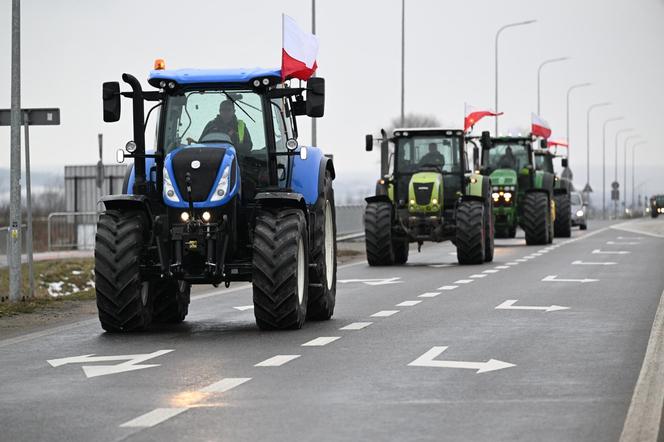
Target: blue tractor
227 194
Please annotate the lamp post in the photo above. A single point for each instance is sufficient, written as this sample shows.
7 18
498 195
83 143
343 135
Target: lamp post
615 171
403 61
314 141
511 25
569 91
589 189
610 120
641 143
631 137
539 78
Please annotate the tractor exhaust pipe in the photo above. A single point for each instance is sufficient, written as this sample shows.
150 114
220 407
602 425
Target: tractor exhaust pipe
140 183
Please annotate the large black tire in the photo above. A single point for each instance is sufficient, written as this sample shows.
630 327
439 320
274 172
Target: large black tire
563 222
171 303
536 217
124 299
323 276
583 227
489 231
378 234
401 247
470 232
501 232
280 269
511 232
654 213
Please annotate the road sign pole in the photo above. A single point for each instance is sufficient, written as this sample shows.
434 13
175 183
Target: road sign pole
14 241
28 202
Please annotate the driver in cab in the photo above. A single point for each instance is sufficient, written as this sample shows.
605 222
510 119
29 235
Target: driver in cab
226 122
433 157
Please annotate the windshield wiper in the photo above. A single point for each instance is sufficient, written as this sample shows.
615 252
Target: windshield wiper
235 102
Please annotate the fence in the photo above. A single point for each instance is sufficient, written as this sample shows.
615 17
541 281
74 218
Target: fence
350 219
72 230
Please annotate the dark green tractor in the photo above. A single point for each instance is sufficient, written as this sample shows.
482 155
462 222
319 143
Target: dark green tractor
427 193
522 195
562 190
656 206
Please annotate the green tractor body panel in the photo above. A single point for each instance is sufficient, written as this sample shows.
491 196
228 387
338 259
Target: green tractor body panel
425 193
475 185
504 183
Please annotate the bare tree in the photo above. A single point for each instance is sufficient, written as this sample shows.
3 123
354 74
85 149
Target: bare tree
413 120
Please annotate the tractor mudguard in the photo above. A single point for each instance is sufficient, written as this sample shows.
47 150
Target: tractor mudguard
124 203
282 199
477 186
309 175
128 185
378 199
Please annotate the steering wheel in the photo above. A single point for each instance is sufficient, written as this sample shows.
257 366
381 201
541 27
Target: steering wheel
218 137
438 167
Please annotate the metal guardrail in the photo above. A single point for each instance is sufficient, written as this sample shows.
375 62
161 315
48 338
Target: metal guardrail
350 222
72 230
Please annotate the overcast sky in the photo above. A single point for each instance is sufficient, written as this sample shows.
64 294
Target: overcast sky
70 47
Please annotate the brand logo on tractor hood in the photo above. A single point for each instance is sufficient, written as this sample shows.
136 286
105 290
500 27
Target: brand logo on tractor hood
195 164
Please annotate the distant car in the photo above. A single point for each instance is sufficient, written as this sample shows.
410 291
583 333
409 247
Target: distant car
579 211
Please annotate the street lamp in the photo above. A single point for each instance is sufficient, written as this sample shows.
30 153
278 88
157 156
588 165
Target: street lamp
610 120
403 61
569 91
615 171
511 25
641 143
539 78
589 189
314 141
631 137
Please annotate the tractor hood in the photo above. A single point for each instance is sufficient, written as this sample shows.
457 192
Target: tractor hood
504 177
425 192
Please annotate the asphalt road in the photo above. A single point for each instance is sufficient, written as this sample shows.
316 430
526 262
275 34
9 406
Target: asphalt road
416 352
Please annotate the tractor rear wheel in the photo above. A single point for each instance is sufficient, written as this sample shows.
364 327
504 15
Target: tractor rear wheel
124 298
172 301
470 232
401 247
536 218
563 222
489 231
280 269
323 276
378 233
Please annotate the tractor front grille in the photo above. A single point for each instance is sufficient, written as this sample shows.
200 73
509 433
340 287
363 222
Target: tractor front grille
202 178
423 193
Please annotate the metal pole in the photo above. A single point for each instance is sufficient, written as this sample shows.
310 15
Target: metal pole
633 158
28 203
615 171
539 79
604 163
403 61
594 106
313 31
569 91
511 25
625 170
14 241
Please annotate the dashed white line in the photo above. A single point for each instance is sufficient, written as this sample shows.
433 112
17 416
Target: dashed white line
224 385
384 313
277 361
502 267
479 275
463 281
356 326
521 260
446 287
491 271
407 303
154 417
429 294
321 341
512 263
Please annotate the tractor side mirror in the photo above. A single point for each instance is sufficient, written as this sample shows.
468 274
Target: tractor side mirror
544 144
485 140
368 142
315 97
111 99
564 161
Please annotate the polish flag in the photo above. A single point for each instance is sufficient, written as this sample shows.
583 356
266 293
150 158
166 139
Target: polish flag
475 114
299 51
540 128
554 143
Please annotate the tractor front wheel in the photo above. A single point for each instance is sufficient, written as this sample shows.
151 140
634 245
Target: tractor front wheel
172 301
536 218
378 234
489 231
563 223
470 232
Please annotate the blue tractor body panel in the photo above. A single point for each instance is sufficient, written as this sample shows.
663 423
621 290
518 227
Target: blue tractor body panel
306 174
206 76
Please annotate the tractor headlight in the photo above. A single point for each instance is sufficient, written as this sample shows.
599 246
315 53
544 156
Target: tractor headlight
495 196
579 213
169 190
508 196
434 201
206 216
222 185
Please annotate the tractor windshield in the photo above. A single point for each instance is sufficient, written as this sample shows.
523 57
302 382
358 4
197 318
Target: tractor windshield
508 156
544 162
660 200
427 152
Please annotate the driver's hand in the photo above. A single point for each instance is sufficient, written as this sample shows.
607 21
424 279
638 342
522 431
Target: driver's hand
190 140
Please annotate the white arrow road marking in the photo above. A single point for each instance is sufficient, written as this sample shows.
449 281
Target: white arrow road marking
585 263
509 305
356 326
429 295
224 385
407 303
321 341
244 307
428 360
277 361
384 281
91 371
463 281
153 418
384 313
622 243
445 287
554 278
610 252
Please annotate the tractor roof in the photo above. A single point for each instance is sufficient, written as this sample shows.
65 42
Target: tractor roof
427 130
206 76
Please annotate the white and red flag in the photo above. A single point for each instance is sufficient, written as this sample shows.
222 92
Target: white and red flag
474 114
539 127
557 143
299 51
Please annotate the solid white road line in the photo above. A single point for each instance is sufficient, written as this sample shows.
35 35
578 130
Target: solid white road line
645 410
277 361
445 287
319 342
224 385
153 418
356 326
407 303
431 294
463 281
384 313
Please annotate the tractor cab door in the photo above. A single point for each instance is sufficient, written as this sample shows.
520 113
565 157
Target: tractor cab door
284 129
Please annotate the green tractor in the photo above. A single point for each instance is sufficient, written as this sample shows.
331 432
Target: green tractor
562 191
656 206
522 195
427 193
